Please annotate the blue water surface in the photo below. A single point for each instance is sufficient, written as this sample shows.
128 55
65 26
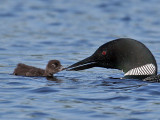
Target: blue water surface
36 31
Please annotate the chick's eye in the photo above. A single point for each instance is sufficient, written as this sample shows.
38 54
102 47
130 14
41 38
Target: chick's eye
104 53
56 64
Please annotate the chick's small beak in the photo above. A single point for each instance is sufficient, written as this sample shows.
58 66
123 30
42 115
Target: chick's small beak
62 68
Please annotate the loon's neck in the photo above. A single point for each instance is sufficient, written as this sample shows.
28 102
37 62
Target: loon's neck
148 69
142 71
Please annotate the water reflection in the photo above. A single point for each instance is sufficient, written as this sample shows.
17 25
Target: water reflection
55 79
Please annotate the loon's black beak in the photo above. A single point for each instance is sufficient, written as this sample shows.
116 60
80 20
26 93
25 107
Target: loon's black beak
83 64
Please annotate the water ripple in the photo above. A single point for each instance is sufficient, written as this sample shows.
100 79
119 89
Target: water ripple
34 32
44 90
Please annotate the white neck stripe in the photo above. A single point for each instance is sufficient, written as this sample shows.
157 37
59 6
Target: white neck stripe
148 69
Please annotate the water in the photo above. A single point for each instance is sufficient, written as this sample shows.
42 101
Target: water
34 32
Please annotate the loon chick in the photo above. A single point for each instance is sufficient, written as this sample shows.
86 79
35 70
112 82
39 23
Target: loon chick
52 67
128 55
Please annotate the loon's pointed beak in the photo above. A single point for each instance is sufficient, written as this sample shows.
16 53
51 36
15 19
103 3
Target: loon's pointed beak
83 64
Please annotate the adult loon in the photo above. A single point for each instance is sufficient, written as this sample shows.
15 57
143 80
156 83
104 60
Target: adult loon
128 55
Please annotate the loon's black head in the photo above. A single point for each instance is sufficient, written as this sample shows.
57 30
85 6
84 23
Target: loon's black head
128 55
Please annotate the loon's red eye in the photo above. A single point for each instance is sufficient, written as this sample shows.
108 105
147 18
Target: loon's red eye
104 53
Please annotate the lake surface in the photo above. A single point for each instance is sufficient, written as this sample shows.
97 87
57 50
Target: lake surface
34 32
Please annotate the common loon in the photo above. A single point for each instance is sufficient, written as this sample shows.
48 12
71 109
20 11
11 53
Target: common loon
128 55
52 67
